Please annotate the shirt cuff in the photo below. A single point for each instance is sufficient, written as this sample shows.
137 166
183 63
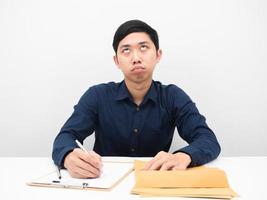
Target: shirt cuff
62 156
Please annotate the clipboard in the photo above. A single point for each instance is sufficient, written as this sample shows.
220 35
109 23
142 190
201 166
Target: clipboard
113 173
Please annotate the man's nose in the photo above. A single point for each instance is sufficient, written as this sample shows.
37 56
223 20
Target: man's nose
136 58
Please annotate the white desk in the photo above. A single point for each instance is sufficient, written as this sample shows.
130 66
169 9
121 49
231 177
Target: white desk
247 176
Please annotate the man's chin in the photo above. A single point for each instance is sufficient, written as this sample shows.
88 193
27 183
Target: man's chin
140 79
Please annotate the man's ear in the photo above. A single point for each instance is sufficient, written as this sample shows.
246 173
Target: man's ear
115 58
159 54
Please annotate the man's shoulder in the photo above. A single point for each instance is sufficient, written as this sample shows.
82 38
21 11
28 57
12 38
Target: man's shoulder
104 86
168 88
171 93
102 89
107 85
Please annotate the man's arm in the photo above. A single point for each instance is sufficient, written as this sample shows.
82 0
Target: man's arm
80 125
203 145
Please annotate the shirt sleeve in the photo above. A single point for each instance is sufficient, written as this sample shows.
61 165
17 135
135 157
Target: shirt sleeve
80 125
192 127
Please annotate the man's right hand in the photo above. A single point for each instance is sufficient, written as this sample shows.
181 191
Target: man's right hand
81 164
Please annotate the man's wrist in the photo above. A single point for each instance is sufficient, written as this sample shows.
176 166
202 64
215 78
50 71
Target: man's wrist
183 158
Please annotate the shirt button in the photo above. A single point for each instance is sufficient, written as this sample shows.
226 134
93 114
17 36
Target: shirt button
135 130
137 108
132 149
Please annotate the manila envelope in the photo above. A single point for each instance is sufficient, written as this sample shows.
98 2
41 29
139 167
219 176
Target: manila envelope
193 182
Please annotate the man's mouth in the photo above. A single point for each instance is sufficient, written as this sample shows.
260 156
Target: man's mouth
138 68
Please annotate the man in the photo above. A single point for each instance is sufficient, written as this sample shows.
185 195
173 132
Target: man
135 117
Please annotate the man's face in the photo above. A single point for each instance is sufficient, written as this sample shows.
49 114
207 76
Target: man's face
137 56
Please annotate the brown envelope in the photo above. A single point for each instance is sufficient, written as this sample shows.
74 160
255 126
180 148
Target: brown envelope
200 181
186 192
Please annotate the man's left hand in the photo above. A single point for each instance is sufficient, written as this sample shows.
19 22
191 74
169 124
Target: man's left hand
168 161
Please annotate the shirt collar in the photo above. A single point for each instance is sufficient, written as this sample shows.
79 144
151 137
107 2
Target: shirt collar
151 94
124 93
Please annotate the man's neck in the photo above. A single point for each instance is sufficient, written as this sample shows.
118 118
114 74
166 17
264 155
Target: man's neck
138 90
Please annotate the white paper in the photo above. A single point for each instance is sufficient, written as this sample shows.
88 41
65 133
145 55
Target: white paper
111 173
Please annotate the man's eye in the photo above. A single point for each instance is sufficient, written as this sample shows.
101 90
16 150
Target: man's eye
144 47
126 50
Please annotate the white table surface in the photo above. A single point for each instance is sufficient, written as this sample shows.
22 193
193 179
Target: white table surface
246 175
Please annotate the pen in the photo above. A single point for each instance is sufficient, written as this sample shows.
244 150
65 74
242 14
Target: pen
58 173
81 146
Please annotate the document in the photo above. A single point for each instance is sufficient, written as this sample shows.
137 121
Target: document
200 181
112 174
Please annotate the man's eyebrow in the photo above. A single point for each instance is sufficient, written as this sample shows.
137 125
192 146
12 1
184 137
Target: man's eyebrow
124 45
143 42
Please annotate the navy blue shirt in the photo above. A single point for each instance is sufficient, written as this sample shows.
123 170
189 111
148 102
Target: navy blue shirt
123 128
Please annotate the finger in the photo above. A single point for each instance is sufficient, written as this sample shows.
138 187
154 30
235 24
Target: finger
83 160
77 172
97 156
87 166
162 154
77 175
152 161
179 167
85 173
72 168
157 164
148 165
158 160
167 166
93 157
89 158
74 175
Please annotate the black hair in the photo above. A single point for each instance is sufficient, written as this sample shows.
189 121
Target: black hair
134 26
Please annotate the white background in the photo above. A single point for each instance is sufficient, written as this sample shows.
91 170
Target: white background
52 51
